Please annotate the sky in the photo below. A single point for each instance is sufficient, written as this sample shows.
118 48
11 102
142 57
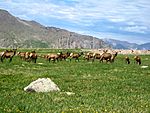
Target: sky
127 20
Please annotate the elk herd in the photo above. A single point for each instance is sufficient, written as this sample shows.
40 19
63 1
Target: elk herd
103 56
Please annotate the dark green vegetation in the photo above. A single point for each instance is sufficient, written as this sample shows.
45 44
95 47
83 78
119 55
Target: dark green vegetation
98 87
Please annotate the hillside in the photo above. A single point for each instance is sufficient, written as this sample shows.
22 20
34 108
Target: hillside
145 46
15 32
117 44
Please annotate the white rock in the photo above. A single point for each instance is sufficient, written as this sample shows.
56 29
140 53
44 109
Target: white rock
144 66
70 93
42 85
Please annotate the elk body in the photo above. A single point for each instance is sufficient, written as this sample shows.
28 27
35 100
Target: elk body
28 56
89 56
127 60
8 54
138 60
75 56
33 56
53 57
21 55
106 56
64 56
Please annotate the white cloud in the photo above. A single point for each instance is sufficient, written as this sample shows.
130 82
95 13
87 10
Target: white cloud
135 29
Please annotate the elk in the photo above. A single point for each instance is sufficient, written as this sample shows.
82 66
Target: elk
105 56
33 56
89 56
8 54
52 57
28 56
108 56
21 55
138 60
75 56
64 56
96 55
114 56
127 60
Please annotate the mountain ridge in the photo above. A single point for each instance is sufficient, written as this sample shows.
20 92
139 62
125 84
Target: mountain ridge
117 44
16 32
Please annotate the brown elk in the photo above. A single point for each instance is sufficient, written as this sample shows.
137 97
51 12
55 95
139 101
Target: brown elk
8 54
75 56
108 56
127 60
138 60
33 56
114 56
21 55
52 57
97 55
28 56
88 56
64 56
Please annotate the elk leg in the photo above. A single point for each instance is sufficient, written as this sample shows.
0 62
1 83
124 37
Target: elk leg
1 59
10 59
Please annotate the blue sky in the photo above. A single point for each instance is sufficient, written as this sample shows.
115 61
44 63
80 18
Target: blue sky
127 20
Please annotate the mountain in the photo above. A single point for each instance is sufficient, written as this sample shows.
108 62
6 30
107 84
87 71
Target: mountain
117 44
145 46
15 32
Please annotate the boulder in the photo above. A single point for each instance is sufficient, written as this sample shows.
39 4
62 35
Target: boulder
42 85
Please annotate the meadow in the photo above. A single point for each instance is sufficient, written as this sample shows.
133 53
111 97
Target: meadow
96 87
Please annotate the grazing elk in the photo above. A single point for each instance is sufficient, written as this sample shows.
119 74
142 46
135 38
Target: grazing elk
28 56
88 56
138 60
97 55
33 56
64 56
8 54
127 60
21 55
75 56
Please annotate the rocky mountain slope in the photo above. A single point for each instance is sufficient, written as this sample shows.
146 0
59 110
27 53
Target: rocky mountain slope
117 44
15 32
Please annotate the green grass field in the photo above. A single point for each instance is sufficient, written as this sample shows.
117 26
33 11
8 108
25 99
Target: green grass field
97 87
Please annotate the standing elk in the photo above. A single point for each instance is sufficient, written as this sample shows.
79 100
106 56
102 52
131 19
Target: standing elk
8 54
114 56
138 60
108 56
53 57
75 56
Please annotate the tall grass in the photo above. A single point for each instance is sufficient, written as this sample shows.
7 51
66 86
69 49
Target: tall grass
97 87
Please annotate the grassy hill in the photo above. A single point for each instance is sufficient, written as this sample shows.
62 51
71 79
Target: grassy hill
97 87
